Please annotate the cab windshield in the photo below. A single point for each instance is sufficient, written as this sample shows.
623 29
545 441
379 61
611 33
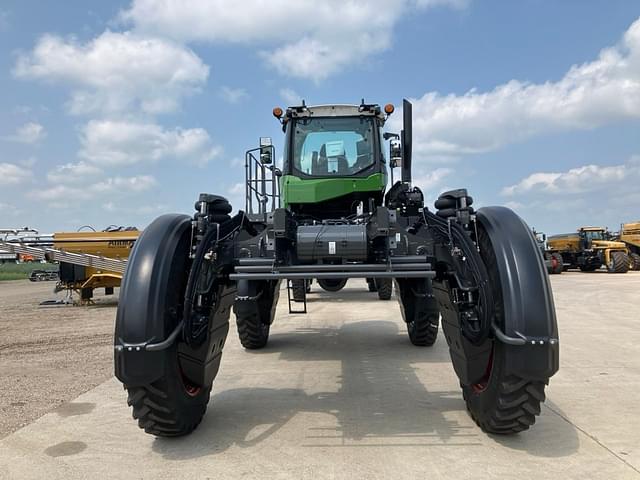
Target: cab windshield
339 146
594 235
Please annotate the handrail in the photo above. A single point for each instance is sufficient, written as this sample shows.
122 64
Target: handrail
258 178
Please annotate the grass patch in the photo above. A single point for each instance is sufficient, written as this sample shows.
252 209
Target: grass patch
21 271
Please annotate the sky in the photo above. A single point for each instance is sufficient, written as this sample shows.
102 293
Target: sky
116 112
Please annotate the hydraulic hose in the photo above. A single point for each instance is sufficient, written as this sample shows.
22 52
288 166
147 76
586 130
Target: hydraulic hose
194 274
454 234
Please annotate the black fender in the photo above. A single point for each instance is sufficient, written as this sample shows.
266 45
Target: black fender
530 326
152 288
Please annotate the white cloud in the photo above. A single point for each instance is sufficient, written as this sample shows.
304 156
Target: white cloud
327 36
236 189
593 94
73 173
233 95
593 194
28 162
318 59
28 133
11 174
140 183
428 181
117 143
290 96
459 4
106 188
117 72
589 178
136 210
514 205
431 182
235 193
8 209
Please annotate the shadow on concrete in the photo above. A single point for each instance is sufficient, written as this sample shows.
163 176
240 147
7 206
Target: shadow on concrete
380 400
552 436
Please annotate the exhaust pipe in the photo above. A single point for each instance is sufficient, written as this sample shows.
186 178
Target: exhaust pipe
406 137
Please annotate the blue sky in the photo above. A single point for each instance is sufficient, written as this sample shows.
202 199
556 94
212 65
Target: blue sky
116 112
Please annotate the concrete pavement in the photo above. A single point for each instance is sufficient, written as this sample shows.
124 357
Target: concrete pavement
341 393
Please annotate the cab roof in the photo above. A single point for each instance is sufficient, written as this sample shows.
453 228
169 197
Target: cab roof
336 110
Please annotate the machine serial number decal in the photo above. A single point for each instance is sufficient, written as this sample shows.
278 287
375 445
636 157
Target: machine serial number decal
332 248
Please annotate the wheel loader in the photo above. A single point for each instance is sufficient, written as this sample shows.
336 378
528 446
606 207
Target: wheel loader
589 249
630 235
326 213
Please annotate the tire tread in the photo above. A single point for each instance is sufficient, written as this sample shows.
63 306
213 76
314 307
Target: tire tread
517 405
252 332
385 288
157 416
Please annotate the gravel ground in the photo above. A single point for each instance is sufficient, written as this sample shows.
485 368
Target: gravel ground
49 355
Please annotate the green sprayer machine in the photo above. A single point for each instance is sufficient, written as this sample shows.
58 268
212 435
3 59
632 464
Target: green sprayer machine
327 213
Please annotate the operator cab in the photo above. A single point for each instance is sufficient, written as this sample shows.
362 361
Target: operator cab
588 235
333 158
333 146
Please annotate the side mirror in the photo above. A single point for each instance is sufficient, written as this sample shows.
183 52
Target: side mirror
395 153
388 135
266 148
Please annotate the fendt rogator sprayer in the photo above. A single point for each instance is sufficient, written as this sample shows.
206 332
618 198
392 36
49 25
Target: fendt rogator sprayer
481 272
589 249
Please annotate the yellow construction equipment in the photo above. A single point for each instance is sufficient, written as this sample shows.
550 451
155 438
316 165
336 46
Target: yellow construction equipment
630 235
84 279
88 260
589 249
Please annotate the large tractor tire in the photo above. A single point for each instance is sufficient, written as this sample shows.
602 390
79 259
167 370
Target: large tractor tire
169 407
384 286
255 308
557 265
420 312
507 398
371 285
166 402
634 261
618 263
299 289
424 332
332 284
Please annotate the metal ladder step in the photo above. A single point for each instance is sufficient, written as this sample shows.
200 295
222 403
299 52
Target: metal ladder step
292 301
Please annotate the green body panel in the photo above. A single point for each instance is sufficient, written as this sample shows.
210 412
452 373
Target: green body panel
297 190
